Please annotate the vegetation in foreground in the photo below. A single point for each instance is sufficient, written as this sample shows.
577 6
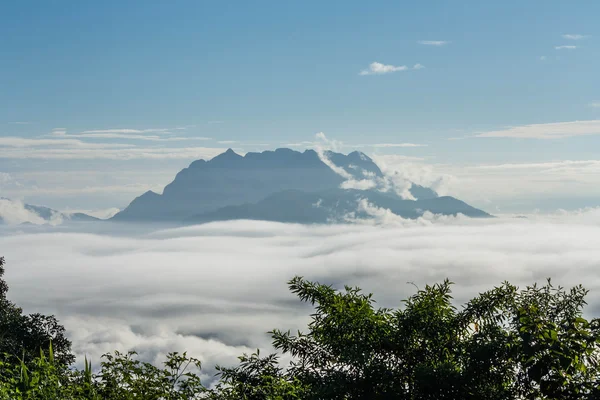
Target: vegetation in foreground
507 343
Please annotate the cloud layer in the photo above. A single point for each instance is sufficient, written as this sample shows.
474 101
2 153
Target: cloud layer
216 289
548 131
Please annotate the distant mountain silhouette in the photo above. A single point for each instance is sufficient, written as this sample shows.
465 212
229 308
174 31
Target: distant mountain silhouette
282 185
48 214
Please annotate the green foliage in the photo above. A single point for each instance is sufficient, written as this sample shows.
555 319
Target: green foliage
257 378
503 344
120 377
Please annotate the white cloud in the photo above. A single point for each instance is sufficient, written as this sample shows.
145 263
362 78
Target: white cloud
20 123
227 141
13 212
418 66
434 42
516 186
321 146
573 36
88 151
565 47
548 166
225 285
102 214
362 184
542 58
377 68
551 130
595 104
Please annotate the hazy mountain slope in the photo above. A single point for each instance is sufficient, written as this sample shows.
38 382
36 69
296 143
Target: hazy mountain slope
40 214
336 205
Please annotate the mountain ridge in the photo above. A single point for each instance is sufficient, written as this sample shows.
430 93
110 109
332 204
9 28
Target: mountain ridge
232 186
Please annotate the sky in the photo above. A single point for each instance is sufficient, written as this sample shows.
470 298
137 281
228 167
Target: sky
499 101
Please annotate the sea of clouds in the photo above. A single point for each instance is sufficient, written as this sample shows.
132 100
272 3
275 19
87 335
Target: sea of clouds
216 289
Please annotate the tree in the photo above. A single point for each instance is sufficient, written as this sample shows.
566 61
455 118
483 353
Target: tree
23 335
504 344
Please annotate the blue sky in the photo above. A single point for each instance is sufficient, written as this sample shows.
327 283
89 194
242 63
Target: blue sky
96 76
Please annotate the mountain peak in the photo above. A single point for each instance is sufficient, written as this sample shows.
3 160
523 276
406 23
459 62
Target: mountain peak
226 158
358 155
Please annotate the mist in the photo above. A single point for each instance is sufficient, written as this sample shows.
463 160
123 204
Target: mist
215 290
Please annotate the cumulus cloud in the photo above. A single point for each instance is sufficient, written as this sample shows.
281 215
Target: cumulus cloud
216 289
433 42
515 186
376 68
551 130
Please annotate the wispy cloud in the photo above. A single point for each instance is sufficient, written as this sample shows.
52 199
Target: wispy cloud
552 130
227 141
377 68
418 66
338 145
20 142
121 134
574 36
542 58
565 47
433 42
20 123
595 104
133 131
215 122
99 151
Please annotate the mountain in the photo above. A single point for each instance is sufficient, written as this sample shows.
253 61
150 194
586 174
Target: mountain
283 185
48 213
28 213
